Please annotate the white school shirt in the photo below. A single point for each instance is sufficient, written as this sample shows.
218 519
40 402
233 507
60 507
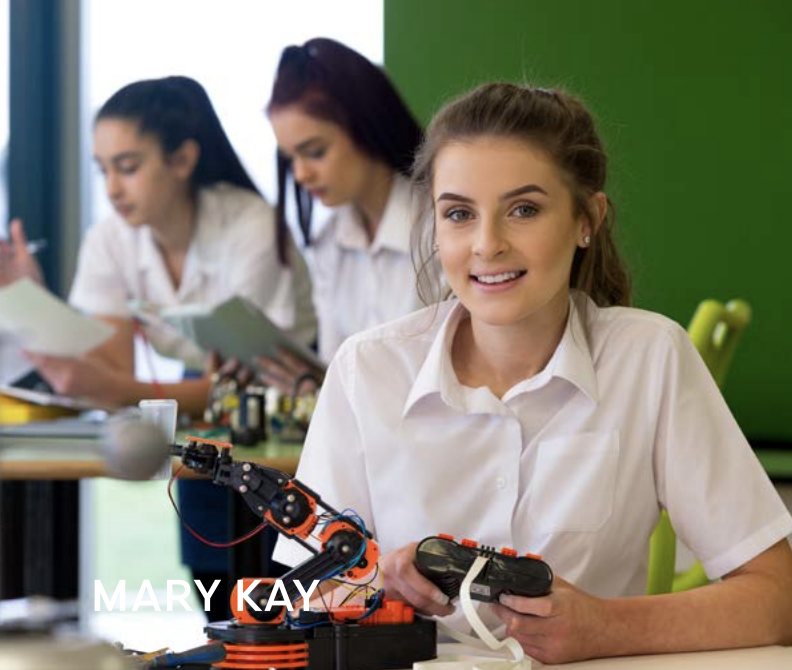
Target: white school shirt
233 253
574 463
357 284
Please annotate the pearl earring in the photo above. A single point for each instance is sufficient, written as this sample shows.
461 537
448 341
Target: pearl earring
587 240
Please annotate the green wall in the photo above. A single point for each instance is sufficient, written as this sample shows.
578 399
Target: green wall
694 100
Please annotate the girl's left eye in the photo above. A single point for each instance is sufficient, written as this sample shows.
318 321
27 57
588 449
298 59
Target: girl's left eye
525 210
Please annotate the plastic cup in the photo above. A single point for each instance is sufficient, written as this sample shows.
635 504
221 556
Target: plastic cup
161 413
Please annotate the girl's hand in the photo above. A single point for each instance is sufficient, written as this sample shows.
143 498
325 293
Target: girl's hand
79 377
284 373
404 582
220 371
565 625
16 262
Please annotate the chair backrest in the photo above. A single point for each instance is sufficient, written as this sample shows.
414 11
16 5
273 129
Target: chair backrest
715 331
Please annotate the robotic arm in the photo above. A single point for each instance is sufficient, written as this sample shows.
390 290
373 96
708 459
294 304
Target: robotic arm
382 632
294 510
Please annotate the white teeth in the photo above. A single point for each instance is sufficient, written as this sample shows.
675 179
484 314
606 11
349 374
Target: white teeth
497 279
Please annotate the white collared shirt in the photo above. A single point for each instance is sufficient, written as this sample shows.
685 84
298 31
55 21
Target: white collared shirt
357 284
574 463
233 253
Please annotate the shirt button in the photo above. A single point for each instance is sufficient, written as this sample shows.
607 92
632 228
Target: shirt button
500 482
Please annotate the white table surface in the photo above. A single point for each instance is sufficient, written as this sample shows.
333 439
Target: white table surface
762 658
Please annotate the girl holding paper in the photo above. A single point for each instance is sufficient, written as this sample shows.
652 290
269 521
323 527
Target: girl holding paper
189 227
346 138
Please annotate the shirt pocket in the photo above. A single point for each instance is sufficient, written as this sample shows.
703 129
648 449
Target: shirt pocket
574 481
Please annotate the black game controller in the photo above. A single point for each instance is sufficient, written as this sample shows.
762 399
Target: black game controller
445 562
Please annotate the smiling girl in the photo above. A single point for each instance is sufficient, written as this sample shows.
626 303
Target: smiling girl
536 410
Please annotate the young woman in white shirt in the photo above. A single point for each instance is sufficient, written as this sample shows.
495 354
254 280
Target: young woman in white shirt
189 227
346 138
536 410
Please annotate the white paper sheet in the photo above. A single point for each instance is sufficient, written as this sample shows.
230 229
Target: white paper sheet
237 329
41 322
13 364
45 399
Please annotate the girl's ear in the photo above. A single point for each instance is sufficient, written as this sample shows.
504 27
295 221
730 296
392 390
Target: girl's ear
185 158
598 206
590 225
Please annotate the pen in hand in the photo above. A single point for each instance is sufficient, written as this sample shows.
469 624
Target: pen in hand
17 256
34 246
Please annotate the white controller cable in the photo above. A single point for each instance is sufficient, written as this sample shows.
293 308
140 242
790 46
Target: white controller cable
485 640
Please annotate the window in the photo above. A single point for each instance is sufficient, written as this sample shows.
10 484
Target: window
4 52
232 48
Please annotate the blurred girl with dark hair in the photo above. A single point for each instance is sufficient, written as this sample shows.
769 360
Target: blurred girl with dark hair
346 137
189 227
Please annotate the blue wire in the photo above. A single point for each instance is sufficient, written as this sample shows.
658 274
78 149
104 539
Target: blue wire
295 622
348 514
376 603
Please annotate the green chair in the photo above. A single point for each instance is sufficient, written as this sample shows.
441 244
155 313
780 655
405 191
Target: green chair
715 330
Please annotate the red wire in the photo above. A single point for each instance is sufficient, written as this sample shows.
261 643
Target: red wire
159 393
196 534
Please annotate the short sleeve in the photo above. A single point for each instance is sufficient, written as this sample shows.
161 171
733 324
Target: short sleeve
99 285
720 501
333 461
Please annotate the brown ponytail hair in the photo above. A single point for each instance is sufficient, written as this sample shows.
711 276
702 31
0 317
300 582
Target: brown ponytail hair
553 122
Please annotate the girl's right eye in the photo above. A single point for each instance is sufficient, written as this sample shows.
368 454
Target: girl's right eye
128 168
316 154
458 215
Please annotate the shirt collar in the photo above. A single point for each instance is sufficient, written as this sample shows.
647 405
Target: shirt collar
148 256
570 361
437 373
393 231
210 221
